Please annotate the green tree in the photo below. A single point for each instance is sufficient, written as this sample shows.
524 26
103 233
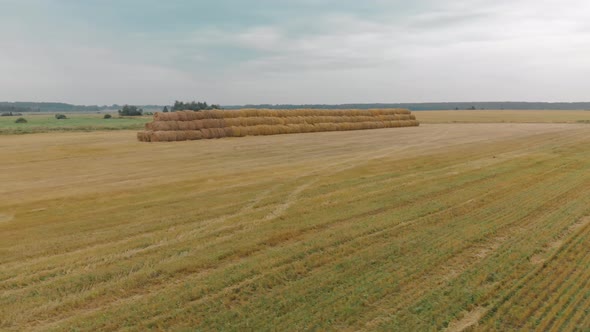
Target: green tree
193 106
178 106
130 110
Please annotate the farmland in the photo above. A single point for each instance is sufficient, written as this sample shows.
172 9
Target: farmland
504 116
44 122
442 226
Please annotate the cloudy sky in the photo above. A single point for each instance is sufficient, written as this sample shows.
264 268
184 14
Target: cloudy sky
294 51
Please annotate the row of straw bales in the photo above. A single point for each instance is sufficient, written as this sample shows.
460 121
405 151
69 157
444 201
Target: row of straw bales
246 113
272 121
264 129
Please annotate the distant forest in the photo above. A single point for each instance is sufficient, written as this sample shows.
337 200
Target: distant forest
45 107
437 106
60 107
21 107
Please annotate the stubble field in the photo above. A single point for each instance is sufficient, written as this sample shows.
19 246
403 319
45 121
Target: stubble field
443 226
504 116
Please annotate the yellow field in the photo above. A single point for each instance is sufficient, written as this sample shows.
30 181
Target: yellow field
436 227
500 116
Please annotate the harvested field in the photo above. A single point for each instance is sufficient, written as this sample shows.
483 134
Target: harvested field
189 125
471 226
504 116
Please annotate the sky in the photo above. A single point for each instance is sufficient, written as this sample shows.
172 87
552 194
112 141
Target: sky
236 52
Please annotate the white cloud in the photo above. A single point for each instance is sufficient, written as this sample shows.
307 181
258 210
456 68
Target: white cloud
87 75
260 38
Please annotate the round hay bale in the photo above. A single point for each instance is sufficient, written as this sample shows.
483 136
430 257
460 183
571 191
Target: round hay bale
169 136
143 136
206 133
159 136
212 123
160 125
231 122
181 135
198 124
194 116
182 116
159 116
238 131
154 137
229 132
172 116
220 132
193 135
198 115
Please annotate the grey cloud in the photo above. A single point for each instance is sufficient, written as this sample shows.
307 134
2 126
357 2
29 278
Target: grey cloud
306 52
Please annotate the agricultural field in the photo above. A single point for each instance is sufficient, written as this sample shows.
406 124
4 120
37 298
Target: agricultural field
472 226
504 116
46 122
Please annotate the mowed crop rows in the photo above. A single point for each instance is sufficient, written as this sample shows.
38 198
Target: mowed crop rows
426 228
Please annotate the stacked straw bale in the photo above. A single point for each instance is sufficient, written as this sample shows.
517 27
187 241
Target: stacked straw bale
190 125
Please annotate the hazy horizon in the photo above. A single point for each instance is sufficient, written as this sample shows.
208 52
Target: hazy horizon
293 52
475 102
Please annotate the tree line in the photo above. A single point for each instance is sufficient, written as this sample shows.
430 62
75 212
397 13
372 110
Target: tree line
11 109
431 106
192 106
131 110
22 107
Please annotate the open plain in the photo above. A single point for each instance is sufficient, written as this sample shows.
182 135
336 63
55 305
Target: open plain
504 116
443 226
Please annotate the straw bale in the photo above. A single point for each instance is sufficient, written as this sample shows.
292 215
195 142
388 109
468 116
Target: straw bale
223 114
180 136
232 122
229 132
163 136
239 131
212 123
206 133
190 125
184 125
194 135
143 136
187 115
220 132
174 116
162 125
